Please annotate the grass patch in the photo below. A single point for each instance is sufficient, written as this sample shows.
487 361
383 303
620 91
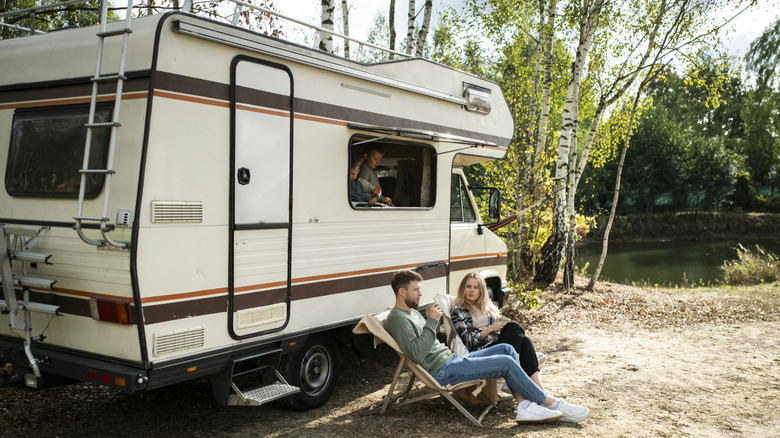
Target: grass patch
751 267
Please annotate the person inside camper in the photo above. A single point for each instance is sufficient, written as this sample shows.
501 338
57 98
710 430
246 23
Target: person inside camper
372 155
416 335
361 190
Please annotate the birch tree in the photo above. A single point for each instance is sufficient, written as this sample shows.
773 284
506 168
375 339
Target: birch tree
345 18
410 28
423 34
391 19
552 251
327 15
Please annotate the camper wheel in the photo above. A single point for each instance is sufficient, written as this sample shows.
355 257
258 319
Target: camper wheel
314 369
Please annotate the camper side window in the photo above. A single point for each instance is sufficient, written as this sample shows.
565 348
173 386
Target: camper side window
47 151
391 174
460 206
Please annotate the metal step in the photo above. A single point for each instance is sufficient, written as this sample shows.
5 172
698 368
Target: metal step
261 394
38 283
32 257
49 309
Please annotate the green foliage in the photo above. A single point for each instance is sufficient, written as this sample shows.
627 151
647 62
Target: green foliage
75 15
759 267
527 297
763 58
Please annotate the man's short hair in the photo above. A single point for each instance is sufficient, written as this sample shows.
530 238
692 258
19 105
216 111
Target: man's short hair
374 148
403 278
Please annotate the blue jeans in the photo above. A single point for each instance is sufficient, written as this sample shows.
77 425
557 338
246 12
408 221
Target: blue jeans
494 362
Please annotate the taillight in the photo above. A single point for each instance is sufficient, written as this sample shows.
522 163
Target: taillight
110 310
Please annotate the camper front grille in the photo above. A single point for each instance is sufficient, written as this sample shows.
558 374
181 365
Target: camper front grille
177 211
179 340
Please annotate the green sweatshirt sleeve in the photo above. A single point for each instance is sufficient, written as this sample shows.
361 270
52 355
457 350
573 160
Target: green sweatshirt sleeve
417 338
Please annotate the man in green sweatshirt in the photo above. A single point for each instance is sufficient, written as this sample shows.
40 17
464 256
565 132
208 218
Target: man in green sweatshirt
416 336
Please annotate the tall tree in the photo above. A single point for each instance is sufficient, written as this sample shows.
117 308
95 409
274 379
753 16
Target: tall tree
327 14
345 18
423 35
410 28
552 252
391 18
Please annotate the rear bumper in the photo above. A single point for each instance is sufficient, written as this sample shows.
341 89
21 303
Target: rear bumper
73 365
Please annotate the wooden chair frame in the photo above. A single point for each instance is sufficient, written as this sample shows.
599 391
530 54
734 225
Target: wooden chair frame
374 324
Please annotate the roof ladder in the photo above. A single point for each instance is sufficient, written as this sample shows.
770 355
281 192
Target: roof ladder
15 244
113 125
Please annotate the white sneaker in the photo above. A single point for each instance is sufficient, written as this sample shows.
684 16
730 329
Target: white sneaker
572 413
536 414
541 358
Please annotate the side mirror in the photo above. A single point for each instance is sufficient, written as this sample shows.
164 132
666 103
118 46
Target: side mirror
493 199
494 205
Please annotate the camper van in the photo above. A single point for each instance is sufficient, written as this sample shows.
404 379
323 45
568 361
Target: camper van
182 209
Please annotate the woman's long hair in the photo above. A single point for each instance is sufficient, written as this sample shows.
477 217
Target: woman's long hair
483 303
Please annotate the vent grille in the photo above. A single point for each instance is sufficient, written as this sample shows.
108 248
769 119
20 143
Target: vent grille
177 211
261 315
179 340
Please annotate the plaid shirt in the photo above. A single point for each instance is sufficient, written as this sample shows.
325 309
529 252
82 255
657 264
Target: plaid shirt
464 325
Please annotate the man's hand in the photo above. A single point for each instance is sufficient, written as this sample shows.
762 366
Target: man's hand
434 311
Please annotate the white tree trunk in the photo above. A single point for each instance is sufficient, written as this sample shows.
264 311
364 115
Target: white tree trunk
345 17
328 19
410 28
392 28
553 249
423 35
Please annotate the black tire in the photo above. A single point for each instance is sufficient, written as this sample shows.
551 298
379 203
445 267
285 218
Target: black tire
314 369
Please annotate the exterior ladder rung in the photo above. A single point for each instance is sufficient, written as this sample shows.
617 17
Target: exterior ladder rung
50 309
110 171
109 78
110 33
92 218
103 125
33 257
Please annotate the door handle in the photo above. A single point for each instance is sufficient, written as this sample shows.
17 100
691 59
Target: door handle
243 176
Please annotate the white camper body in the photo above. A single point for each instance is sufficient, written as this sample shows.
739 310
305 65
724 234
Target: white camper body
231 239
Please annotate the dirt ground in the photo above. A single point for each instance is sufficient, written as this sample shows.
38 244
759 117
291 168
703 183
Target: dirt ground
648 362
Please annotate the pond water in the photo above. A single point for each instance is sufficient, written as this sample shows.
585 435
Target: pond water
665 263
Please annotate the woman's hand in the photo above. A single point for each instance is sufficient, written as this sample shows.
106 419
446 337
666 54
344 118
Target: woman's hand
493 328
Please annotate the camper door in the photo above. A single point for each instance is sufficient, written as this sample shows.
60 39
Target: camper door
261 210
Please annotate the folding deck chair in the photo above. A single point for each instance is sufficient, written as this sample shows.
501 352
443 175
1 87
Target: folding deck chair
374 324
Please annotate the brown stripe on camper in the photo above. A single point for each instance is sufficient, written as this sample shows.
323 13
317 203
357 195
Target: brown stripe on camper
474 263
183 309
56 93
191 89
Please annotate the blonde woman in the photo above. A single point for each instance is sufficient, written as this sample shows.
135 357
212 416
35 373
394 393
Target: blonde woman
477 321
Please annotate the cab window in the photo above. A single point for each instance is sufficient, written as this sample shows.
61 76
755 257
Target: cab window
461 209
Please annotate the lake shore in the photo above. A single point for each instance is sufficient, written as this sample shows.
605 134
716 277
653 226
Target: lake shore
688 226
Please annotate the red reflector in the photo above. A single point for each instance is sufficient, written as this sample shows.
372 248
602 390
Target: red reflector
91 375
110 310
105 378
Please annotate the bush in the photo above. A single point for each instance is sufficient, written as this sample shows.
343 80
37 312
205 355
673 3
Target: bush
757 267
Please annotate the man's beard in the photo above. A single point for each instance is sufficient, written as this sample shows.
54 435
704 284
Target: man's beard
412 302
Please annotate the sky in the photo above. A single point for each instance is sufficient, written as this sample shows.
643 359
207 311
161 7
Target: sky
740 31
